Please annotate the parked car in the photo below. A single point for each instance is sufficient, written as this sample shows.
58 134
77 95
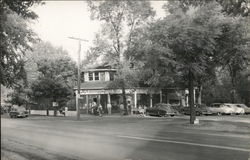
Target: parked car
235 108
17 112
220 108
243 106
199 110
161 109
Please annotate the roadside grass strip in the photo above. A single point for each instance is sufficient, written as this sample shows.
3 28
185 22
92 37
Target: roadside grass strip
185 143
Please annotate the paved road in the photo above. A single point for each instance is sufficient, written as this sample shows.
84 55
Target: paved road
102 138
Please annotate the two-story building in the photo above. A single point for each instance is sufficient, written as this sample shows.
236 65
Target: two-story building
97 86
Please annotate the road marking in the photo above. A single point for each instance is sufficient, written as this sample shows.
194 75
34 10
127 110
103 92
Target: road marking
186 143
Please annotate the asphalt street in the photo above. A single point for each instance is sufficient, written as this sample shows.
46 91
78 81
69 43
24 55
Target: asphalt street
123 138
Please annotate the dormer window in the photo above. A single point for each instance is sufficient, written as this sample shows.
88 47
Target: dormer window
90 76
96 76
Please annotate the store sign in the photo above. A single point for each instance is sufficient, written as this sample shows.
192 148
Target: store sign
54 104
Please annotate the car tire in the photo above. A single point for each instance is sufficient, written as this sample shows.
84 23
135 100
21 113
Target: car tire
158 113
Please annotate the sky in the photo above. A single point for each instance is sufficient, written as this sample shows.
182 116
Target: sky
59 20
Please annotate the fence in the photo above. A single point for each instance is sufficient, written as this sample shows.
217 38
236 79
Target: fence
51 112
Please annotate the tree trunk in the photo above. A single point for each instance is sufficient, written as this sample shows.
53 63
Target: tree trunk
191 97
47 109
1 94
233 74
233 92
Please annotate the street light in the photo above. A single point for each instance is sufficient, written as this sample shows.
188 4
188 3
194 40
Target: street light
78 76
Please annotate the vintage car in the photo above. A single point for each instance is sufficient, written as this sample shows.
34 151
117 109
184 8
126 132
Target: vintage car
220 108
161 109
18 111
236 109
246 109
199 110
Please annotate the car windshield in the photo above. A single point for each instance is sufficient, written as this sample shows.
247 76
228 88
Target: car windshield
216 105
242 106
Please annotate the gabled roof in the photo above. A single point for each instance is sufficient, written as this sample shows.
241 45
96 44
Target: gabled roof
103 67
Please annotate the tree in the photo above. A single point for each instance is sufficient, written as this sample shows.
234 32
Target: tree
16 39
234 44
41 51
234 49
56 80
190 37
231 7
121 18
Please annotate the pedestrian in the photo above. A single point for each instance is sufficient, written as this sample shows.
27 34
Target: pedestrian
129 107
100 110
93 106
122 109
109 106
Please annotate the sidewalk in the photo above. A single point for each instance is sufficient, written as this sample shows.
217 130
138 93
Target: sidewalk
235 118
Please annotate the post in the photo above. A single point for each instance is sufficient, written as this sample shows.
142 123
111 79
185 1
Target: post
199 96
109 105
151 100
135 99
78 76
194 96
78 81
87 102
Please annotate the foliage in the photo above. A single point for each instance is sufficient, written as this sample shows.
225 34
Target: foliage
231 7
233 45
128 73
48 88
16 38
234 49
18 96
185 43
121 19
56 80
40 51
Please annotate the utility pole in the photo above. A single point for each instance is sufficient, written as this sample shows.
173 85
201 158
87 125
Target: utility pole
78 76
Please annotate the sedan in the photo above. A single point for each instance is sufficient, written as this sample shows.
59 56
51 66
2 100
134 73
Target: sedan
235 108
160 110
243 106
219 109
18 114
199 110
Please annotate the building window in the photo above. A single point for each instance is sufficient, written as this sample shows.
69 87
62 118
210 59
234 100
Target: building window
111 76
90 76
96 76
